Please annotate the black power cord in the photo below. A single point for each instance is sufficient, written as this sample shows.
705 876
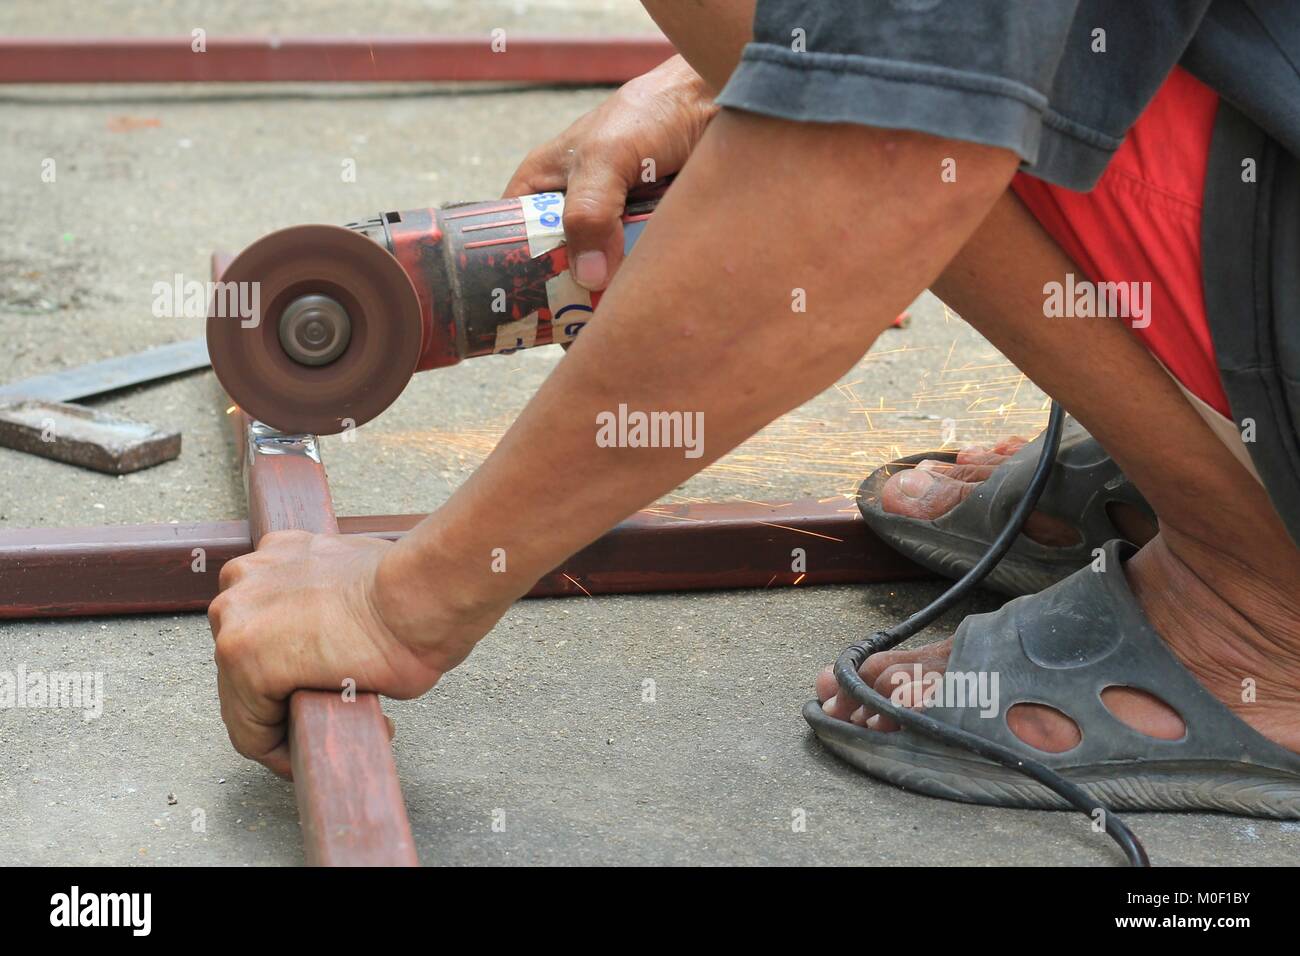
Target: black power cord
846 668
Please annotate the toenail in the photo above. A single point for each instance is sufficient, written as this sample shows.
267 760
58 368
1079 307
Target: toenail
916 484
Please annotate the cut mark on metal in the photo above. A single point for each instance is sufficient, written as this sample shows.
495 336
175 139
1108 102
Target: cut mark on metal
265 440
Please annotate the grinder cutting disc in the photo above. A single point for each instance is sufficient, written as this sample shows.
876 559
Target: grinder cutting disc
338 332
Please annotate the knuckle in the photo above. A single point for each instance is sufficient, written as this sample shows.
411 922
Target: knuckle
215 610
230 573
623 156
541 159
219 610
229 649
889 679
587 214
543 165
607 145
278 539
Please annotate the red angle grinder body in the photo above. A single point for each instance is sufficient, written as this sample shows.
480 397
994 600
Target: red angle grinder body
343 316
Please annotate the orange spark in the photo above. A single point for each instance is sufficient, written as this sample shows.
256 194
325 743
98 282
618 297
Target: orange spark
577 585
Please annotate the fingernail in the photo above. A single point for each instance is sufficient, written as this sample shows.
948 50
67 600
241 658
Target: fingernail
915 484
590 270
829 704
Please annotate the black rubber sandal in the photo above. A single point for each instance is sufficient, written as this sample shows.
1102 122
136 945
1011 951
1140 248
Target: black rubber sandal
1084 482
1062 648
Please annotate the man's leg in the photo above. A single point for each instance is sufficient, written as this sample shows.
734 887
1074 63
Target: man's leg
1221 582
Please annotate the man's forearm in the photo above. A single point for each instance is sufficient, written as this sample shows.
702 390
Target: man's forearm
710 34
702 319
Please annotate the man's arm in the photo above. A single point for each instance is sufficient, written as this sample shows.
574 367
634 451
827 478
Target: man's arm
700 319
710 34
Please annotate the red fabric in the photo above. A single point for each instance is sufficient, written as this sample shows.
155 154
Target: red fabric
1142 223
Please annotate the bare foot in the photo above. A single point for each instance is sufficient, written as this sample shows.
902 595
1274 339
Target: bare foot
934 488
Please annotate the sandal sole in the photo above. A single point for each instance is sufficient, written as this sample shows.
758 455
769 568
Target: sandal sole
930 768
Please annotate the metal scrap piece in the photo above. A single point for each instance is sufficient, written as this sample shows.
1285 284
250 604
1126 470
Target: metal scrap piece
96 378
84 436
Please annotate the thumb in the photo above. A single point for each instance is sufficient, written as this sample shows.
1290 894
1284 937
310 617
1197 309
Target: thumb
593 224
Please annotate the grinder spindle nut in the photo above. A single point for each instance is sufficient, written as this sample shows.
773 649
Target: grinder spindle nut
315 329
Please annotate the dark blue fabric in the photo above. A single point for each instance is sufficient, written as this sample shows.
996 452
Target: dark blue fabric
1250 241
1024 75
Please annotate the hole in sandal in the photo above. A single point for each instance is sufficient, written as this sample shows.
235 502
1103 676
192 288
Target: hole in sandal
1043 727
1051 531
1144 712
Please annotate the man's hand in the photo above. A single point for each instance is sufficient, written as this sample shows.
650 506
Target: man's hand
312 611
657 117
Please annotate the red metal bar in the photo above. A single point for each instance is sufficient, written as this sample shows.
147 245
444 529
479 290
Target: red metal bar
139 569
349 798
126 569
328 59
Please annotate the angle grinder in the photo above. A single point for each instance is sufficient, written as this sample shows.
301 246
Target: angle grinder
345 315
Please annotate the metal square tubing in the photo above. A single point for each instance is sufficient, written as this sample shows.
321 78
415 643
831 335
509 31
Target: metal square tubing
330 59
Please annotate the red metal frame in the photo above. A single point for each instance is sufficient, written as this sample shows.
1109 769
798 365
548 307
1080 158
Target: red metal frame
156 568
329 59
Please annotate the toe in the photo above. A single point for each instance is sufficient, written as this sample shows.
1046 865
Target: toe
923 494
839 706
834 703
979 455
960 472
896 685
883 723
928 655
899 683
826 686
931 657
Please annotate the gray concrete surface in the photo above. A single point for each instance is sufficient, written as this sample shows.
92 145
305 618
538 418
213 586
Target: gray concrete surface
546 720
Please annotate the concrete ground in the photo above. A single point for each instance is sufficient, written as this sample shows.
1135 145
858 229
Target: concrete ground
546 720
